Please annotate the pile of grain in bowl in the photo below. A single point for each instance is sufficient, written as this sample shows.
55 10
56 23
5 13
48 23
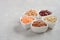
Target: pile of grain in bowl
51 19
31 12
39 23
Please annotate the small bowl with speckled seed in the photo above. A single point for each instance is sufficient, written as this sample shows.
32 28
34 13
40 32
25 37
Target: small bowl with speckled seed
50 20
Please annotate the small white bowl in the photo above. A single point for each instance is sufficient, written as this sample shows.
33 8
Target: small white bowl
50 24
39 29
37 17
25 26
44 16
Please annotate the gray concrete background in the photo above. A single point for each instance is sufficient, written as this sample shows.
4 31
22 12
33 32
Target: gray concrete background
12 10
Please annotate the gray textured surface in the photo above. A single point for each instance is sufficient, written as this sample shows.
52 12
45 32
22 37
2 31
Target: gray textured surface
11 10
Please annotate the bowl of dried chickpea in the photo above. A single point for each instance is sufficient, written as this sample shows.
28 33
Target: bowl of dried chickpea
50 20
32 12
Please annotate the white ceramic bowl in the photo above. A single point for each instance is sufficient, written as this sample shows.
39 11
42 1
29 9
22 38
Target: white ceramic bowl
39 29
50 24
44 16
25 26
37 17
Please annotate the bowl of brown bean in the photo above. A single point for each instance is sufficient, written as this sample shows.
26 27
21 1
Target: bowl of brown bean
39 26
